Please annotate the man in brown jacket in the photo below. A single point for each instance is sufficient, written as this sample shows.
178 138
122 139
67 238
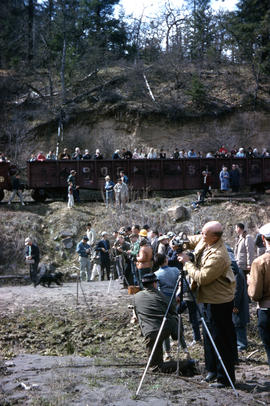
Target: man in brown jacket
259 289
144 259
212 274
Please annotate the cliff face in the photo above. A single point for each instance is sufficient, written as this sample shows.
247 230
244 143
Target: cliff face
107 114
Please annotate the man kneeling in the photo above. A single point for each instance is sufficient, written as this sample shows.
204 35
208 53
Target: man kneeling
150 308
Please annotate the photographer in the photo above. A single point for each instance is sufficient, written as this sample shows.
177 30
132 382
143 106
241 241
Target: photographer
133 252
84 249
120 248
212 275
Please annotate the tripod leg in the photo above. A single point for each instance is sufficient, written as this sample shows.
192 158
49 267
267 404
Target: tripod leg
178 343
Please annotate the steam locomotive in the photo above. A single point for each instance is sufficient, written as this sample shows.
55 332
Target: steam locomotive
48 179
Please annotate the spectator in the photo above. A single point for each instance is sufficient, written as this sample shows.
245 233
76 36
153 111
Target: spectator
64 155
256 153
144 258
260 247
175 154
84 250
162 154
2 157
136 229
126 154
51 156
241 153
163 246
207 182
235 178
244 248
32 258
98 155
152 154
142 154
223 151
116 154
120 249
121 194
123 177
154 240
86 155
41 157
259 289
109 185
72 179
103 247
70 195
224 178
210 155
77 154
136 154
234 151
133 252
91 235
182 154
32 158
17 189
250 153
192 154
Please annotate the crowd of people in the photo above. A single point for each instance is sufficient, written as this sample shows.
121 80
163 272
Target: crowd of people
151 153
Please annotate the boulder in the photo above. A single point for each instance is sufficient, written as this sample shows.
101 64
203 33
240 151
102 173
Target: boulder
66 233
178 213
67 243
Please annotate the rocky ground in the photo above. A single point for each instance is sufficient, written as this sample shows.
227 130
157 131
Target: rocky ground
60 349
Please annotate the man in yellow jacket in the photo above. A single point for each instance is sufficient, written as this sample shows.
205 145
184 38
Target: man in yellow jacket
215 283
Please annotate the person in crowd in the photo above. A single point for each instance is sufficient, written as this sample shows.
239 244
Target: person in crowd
259 289
240 314
142 154
109 190
116 155
126 154
150 308
86 156
167 279
162 154
259 244
210 155
145 257
163 245
175 154
17 189
250 152
223 151
256 153
98 156
33 158
133 252
235 178
51 156
84 250
124 177
192 153
244 249
2 157
41 157
135 154
128 233
64 155
207 184
234 151
152 154
32 258
153 237
77 155
72 179
240 153
121 194
103 247
91 235
182 154
95 265
212 274
120 249
224 178
136 229
265 153
70 195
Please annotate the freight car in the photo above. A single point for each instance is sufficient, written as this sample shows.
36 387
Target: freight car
49 178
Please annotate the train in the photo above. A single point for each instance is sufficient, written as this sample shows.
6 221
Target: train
48 179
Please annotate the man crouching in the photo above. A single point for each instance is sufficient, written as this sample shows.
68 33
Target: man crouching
150 308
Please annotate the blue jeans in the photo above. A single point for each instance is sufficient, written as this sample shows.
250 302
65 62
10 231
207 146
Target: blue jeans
264 330
109 197
241 336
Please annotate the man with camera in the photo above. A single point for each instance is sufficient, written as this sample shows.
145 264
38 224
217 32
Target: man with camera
84 249
213 278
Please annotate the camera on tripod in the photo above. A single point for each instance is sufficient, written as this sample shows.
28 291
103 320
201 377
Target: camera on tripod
181 244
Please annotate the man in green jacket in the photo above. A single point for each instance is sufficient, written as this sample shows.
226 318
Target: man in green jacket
215 283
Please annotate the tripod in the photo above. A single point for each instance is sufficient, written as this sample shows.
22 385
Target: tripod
79 284
182 278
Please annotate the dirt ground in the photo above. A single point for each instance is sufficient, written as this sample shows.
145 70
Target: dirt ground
58 348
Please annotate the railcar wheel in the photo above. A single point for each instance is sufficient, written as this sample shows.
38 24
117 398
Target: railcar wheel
2 194
39 195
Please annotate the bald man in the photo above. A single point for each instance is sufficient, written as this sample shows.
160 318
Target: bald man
215 282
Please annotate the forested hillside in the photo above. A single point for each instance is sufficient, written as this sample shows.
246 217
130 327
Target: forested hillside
74 71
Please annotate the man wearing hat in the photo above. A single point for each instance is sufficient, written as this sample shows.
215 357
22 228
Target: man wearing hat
145 256
259 289
103 247
150 308
84 249
163 246
72 180
32 258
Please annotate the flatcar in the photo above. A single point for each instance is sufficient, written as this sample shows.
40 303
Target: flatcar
49 178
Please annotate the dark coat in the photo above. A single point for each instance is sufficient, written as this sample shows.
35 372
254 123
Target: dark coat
150 307
241 297
235 177
34 252
104 256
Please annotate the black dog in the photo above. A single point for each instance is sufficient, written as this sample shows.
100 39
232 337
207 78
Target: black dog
53 277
